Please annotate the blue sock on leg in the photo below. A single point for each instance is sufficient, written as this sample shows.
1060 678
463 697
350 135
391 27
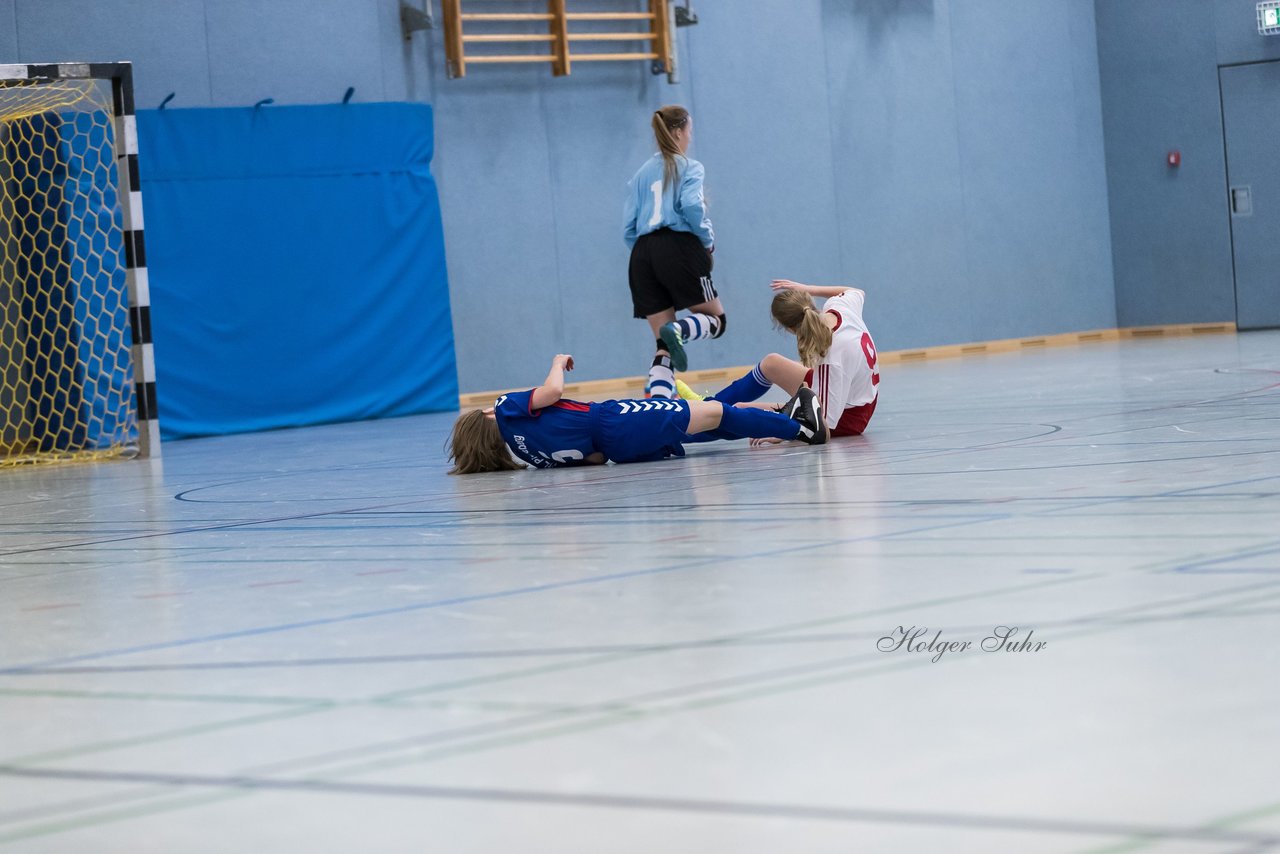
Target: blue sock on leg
745 389
756 424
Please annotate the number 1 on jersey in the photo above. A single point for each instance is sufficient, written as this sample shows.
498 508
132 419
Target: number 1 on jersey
656 219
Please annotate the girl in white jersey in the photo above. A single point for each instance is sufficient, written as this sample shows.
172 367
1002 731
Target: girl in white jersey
671 241
837 356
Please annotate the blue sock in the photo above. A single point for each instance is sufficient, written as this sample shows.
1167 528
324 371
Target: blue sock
756 424
745 389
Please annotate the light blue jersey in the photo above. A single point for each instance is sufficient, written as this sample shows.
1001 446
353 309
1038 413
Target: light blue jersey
679 206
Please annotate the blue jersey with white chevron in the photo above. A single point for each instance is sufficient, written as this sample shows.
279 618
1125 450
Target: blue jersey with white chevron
567 432
679 206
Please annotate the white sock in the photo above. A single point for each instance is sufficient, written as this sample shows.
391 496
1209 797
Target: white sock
696 326
662 380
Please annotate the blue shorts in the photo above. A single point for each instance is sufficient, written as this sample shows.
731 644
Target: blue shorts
638 431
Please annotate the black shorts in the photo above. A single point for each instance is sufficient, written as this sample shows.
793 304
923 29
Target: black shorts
669 269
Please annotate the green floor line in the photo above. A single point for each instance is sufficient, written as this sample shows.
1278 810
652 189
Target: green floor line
141 811
155 697
1137 843
165 735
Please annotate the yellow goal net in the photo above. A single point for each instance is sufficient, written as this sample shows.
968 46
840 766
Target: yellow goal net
69 387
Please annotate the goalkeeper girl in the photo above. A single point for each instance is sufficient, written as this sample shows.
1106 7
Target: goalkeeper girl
671 242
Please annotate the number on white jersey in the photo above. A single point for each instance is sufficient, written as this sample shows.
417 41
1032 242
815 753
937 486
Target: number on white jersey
869 350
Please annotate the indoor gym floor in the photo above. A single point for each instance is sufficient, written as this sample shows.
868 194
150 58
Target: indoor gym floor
315 640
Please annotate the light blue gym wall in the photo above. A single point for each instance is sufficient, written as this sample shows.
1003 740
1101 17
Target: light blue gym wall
969 142
8 28
947 155
1171 237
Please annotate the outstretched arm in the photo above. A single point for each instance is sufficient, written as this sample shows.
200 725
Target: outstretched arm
812 290
553 389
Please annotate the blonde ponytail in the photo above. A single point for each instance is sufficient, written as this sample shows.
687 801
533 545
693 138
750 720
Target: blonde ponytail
668 119
795 312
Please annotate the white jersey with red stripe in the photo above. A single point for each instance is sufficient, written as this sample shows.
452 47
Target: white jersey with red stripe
847 376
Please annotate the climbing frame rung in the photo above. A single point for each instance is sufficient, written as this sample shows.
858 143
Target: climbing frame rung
507 38
611 37
494 59
609 16
611 57
501 17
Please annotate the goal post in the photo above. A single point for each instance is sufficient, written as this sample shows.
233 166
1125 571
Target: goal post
77 368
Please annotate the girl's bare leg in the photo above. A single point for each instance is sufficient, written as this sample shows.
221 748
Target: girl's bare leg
661 319
786 374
